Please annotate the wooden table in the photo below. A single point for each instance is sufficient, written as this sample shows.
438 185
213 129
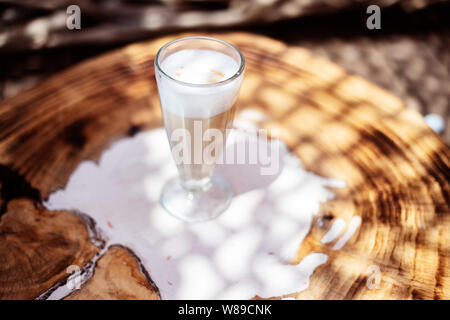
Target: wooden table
341 126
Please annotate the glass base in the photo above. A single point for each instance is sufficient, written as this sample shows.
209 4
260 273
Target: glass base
196 201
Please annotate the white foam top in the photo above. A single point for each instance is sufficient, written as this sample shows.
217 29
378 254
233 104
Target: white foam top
198 66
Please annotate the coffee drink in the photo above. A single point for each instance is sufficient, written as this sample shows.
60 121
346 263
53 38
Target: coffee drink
198 81
199 102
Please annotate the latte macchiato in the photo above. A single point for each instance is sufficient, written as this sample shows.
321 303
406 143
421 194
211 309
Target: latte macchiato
197 110
198 81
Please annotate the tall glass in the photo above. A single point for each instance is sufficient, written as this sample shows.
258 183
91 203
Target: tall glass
196 118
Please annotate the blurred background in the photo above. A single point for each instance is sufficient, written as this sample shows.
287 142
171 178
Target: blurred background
409 55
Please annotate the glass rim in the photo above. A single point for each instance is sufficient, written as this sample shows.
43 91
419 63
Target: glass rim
201 85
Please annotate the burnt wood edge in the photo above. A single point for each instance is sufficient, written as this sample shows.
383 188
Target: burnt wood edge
142 268
89 271
97 238
13 185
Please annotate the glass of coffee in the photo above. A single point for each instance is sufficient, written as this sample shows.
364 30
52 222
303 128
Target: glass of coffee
198 83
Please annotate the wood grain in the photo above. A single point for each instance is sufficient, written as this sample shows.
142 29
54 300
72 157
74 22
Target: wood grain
118 275
396 168
37 246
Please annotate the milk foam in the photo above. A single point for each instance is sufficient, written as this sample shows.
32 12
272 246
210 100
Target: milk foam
195 66
199 66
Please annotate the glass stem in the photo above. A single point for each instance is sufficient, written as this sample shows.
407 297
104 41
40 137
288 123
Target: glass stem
193 185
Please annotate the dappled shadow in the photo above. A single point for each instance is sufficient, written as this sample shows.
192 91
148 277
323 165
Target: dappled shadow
395 167
244 252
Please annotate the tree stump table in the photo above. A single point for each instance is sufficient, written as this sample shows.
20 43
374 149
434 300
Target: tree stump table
339 125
